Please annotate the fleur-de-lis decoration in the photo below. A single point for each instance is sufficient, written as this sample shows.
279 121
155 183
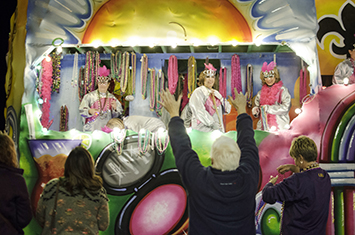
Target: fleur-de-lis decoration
344 30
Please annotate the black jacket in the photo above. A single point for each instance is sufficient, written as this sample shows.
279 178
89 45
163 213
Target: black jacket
14 199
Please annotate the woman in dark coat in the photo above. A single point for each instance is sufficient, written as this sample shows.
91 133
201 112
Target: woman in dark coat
15 207
305 194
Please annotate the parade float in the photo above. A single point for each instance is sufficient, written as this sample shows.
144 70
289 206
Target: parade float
56 48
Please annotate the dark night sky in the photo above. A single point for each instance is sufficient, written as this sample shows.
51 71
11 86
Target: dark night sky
8 8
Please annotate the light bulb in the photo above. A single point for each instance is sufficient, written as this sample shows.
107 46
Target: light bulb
346 81
59 49
48 58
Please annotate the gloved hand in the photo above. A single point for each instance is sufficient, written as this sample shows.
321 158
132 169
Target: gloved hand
255 111
216 126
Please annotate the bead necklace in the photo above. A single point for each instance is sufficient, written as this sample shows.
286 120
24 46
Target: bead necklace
101 108
236 77
56 71
74 79
118 137
312 166
159 88
173 74
161 143
191 84
125 69
144 73
223 82
64 117
249 85
133 71
152 90
143 149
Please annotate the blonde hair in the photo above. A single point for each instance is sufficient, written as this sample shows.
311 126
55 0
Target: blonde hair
115 123
8 154
305 147
225 154
277 76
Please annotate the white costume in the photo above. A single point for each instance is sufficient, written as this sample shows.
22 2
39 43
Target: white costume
343 70
98 120
278 111
204 116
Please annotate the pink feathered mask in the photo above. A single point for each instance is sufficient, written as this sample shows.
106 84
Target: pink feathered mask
268 69
103 74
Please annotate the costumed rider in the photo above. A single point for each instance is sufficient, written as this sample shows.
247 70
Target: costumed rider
346 69
207 104
273 101
99 106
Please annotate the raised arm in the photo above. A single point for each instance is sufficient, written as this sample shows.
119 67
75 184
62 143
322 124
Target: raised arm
245 135
186 159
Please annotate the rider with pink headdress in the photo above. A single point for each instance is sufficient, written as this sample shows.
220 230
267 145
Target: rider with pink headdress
99 106
273 102
207 104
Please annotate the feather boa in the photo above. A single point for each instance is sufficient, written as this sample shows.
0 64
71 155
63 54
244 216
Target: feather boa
269 96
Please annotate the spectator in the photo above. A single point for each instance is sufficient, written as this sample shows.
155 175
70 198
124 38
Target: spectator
15 209
80 200
305 195
221 197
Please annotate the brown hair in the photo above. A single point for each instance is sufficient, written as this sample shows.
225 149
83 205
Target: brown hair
277 76
305 147
202 77
115 122
79 172
8 154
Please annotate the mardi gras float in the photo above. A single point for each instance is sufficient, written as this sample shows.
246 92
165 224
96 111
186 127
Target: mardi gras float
58 47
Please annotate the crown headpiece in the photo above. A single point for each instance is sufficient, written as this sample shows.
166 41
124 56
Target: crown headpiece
209 70
103 74
268 69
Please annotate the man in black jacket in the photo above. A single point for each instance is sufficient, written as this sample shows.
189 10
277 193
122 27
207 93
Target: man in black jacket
222 196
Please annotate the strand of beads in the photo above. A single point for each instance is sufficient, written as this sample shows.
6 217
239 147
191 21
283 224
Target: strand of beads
146 139
118 135
144 73
161 141
133 71
152 90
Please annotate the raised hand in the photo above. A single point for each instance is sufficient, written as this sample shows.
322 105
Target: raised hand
169 103
288 167
240 101
113 104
